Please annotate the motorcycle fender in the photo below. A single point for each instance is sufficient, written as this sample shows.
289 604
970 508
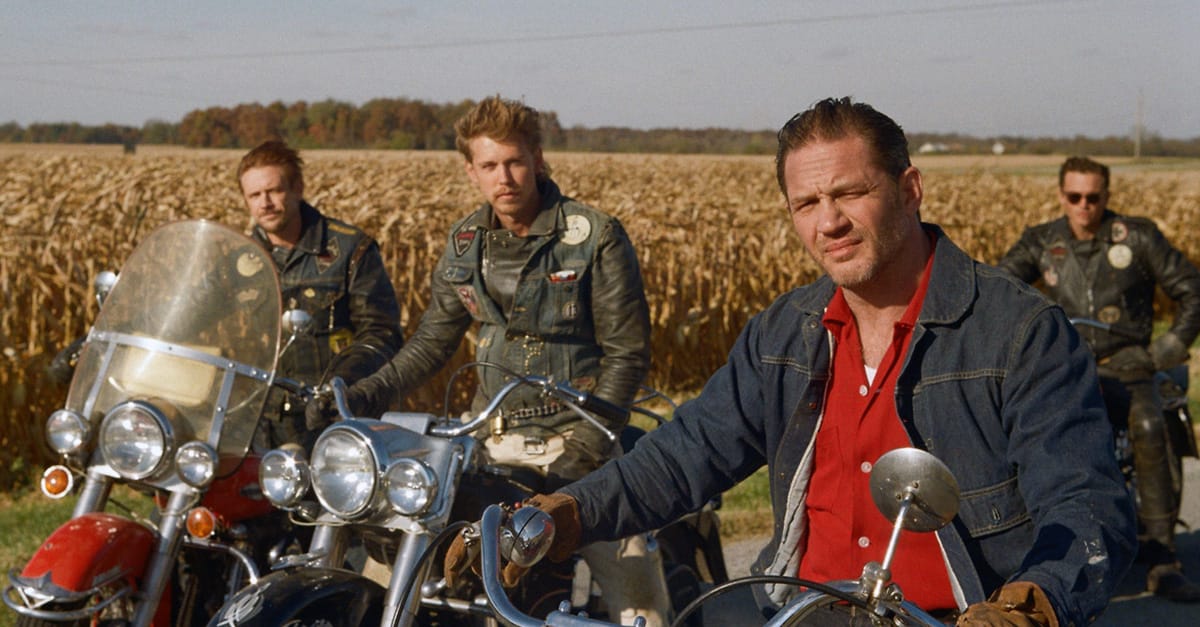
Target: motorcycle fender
91 550
304 596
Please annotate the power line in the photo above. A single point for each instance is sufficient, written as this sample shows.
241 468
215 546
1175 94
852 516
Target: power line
547 38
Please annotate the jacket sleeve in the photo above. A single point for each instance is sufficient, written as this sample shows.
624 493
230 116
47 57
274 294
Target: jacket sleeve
621 318
442 328
374 315
713 442
1060 443
1021 260
1180 280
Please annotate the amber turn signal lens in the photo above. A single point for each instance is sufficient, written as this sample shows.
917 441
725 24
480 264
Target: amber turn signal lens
56 481
201 522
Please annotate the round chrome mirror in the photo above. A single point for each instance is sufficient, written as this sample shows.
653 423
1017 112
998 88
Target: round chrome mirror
527 536
906 471
103 285
296 322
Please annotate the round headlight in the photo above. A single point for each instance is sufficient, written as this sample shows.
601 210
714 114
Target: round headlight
196 463
344 472
67 432
283 476
135 438
410 486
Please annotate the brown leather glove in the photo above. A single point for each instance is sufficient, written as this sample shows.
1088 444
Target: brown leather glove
567 531
562 510
1016 604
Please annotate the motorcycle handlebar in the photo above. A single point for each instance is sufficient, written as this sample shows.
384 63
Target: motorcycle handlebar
578 401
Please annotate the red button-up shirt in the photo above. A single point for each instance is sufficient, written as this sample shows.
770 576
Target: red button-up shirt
845 529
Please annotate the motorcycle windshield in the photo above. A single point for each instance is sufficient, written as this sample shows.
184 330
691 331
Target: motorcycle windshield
192 327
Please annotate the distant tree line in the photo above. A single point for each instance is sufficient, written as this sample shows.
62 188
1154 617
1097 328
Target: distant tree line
404 124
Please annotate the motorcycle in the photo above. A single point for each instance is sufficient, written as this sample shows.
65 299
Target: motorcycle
403 485
911 487
166 395
1172 385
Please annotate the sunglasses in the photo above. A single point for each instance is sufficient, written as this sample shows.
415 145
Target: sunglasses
1075 197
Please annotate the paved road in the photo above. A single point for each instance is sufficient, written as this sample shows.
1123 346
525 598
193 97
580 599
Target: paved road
1130 606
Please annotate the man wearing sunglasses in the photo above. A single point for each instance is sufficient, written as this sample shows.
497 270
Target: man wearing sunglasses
1103 266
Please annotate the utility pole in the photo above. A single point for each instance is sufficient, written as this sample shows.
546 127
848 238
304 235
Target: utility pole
1137 128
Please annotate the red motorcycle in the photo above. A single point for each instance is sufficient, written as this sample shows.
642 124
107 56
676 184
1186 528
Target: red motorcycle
166 396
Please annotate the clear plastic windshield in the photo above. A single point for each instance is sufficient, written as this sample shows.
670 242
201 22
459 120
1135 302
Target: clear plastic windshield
192 326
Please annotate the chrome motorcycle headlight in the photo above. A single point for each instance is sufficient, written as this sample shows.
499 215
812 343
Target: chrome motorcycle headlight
135 439
410 486
67 432
344 472
283 476
196 463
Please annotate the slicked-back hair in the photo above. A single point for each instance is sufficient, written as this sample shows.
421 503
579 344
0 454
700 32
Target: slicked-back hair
501 120
1084 165
274 152
832 119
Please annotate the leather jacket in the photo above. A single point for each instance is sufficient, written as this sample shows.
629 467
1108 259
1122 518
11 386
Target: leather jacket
1110 278
578 312
995 383
335 273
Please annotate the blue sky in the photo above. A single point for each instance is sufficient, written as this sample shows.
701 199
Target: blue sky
983 67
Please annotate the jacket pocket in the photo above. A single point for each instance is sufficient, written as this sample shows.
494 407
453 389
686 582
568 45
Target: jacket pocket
993 509
564 309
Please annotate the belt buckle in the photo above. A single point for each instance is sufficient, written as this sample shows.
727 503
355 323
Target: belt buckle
535 446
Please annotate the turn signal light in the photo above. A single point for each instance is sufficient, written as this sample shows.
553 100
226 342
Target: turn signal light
201 522
57 482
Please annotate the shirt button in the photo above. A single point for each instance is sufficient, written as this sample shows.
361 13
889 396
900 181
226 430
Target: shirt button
865 467
862 390
864 542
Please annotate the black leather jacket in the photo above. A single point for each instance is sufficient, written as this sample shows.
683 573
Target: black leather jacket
1110 278
335 273
578 313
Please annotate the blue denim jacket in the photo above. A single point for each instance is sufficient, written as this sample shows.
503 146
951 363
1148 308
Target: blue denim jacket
996 384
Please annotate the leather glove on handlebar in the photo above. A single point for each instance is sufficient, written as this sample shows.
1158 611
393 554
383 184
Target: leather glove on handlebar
1167 351
567 531
321 411
1016 604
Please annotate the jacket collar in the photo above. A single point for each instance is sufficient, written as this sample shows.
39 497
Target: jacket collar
951 286
312 231
548 220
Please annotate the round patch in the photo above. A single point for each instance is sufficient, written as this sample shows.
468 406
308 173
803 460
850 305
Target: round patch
1120 256
309 292
1119 231
1050 276
578 230
249 264
1109 315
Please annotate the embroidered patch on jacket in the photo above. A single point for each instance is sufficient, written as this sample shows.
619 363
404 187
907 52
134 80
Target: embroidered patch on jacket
1120 256
1119 232
463 241
1050 276
332 251
1109 315
1058 251
466 293
578 230
570 310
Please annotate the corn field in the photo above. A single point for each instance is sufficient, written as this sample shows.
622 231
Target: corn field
714 242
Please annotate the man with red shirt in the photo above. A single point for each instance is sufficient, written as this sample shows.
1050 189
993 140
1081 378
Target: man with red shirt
906 341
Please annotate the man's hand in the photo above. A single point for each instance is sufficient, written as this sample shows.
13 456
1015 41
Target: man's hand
319 413
1167 351
567 531
1016 604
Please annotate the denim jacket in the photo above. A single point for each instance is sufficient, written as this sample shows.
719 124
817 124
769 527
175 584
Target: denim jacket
996 384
